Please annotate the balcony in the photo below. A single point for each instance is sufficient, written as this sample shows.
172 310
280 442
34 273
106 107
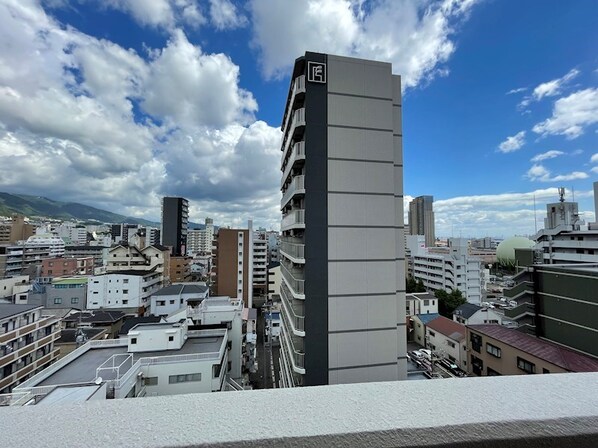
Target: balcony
297 123
551 411
297 88
22 331
297 154
294 310
293 249
295 219
296 356
519 290
296 186
294 280
520 311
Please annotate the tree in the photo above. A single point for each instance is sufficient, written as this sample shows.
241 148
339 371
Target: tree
419 287
411 284
448 302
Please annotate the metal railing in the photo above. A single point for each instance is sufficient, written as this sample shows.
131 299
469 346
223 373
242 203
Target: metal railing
296 186
296 285
297 357
298 120
295 251
297 320
298 86
297 153
517 290
26 329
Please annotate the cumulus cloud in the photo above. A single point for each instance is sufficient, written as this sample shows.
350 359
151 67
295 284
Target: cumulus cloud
594 158
224 15
70 112
417 37
549 88
541 173
546 155
571 114
512 143
159 13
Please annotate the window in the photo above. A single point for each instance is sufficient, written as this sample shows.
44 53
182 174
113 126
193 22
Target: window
74 300
476 342
57 301
526 366
172 302
477 365
125 302
125 291
133 340
426 302
170 338
216 368
450 344
491 372
545 371
186 378
150 381
493 350
431 333
125 280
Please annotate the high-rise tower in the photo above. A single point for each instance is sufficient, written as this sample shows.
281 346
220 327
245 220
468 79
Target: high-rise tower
421 218
175 220
342 246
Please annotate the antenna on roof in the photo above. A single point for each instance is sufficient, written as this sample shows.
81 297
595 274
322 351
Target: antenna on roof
562 194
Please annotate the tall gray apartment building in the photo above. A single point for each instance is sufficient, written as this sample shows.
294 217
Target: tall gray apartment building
342 246
421 218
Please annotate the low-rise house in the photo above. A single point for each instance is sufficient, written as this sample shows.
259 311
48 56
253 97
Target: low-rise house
417 330
471 314
111 321
421 303
496 350
446 339
174 297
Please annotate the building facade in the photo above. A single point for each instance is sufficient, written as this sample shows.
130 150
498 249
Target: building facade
58 267
421 219
26 343
175 221
341 249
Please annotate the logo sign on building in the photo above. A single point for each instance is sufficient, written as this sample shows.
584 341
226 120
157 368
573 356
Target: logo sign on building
316 72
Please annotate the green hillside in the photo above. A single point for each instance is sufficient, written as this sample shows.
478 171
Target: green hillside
40 206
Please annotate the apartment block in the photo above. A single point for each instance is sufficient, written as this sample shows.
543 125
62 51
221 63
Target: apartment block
177 296
341 249
15 230
61 266
260 264
496 350
125 257
180 269
26 343
175 221
99 253
421 219
200 241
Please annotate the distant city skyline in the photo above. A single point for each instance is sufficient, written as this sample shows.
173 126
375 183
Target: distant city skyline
117 104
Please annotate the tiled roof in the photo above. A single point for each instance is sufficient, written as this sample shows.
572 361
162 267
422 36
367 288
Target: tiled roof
425 318
447 327
467 310
548 351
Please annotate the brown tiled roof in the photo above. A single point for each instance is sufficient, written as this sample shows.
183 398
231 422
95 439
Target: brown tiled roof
447 327
548 351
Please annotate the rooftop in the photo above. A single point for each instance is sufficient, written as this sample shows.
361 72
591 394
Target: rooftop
131 322
69 335
83 368
467 310
97 316
181 288
447 327
8 309
70 280
549 351
425 318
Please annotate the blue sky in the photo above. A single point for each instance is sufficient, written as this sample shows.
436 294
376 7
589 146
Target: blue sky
115 103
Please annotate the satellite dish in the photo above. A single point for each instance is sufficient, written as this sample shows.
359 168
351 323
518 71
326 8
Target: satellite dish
98 380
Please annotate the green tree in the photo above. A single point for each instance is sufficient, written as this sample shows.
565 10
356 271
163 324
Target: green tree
411 284
449 301
419 287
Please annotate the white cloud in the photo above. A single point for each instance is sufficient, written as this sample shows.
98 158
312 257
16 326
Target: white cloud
159 13
224 15
552 88
546 155
513 143
571 114
595 169
518 90
417 37
594 158
542 174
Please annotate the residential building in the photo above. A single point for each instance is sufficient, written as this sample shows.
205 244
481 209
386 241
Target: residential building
62 266
273 238
16 230
71 232
418 322
175 220
152 236
67 292
43 246
471 314
109 320
232 268
421 219
557 302
341 249
26 343
176 296
421 303
260 264
274 281
129 291
200 241
455 269
7 286
125 257
496 350
11 261
446 338
72 338
99 253
180 269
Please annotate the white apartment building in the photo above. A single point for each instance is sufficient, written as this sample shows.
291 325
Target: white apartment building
10 286
453 270
421 303
200 241
260 263
72 233
128 291
446 338
341 248
274 280
43 246
125 257
470 314
178 295
26 343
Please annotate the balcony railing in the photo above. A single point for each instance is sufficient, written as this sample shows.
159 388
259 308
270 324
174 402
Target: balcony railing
520 311
518 290
295 284
294 313
22 331
298 120
297 186
297 356
294 251
297 153
295 219
298 87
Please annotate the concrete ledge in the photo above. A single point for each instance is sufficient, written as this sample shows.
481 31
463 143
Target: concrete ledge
558 410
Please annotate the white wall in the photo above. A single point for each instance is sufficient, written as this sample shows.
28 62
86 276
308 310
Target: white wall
442 343
107 291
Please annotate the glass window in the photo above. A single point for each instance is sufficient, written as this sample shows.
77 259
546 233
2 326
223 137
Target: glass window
57 301
133 340
526 366
186 378
150 381
74 300
493 350
476 342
